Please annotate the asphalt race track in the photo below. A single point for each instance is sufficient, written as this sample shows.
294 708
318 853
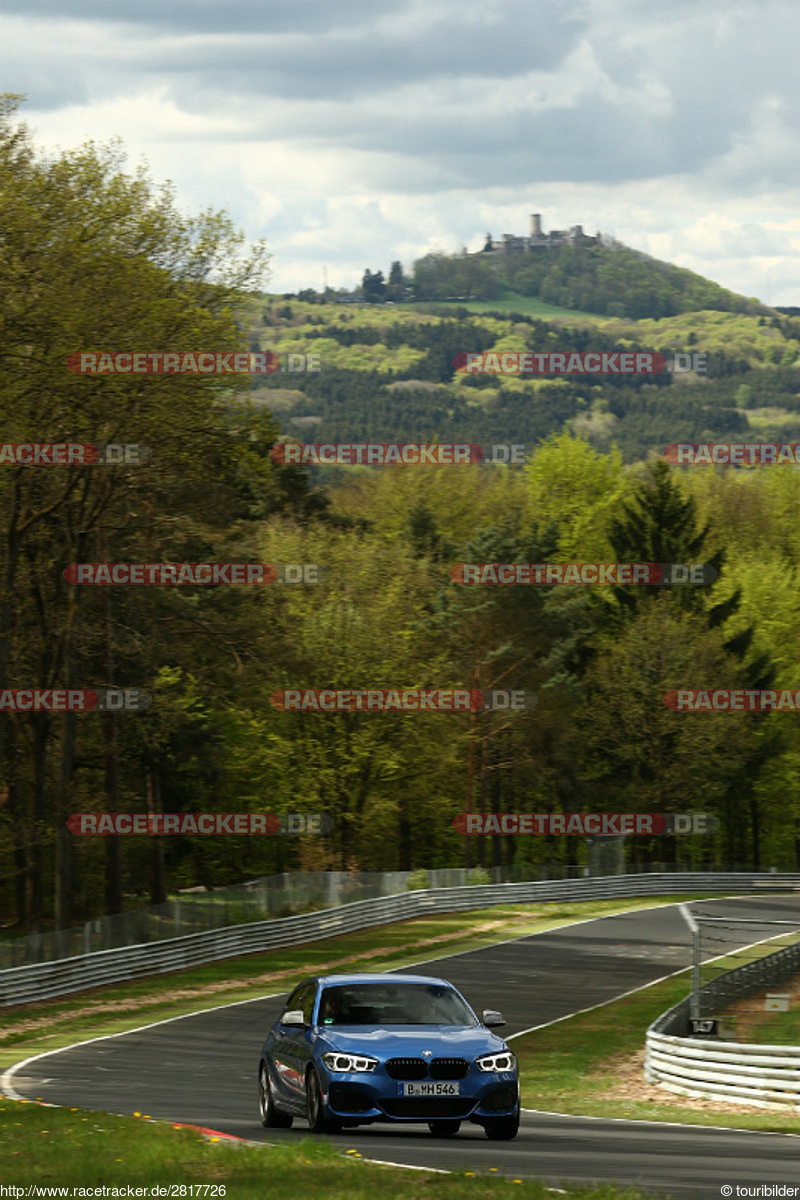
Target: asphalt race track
202 1069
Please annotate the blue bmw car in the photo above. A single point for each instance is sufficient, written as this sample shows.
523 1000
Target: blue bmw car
355 1049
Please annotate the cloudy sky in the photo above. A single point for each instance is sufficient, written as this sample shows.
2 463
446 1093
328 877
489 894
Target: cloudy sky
349 133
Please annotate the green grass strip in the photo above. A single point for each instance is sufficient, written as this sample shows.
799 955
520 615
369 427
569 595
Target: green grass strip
569 1066
776 1028
73 1148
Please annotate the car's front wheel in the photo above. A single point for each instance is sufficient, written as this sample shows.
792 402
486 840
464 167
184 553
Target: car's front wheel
271 1117
444 1128
502 1129
315 1112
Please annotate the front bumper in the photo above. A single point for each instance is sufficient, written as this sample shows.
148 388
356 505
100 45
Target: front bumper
373 1097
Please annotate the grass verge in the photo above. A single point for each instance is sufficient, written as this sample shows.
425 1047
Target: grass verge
71 1148
776 1028
571 1067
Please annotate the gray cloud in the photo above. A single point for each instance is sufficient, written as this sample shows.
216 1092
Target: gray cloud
206 16
291 111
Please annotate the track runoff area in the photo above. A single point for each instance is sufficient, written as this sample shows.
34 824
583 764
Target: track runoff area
201 1069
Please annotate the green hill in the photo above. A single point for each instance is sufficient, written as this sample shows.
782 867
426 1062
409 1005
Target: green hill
591 277
387 375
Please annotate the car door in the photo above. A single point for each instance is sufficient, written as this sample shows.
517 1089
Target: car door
282 1054
292 1046
303 1042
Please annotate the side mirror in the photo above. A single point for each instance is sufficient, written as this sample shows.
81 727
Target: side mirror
492 1019
295 1017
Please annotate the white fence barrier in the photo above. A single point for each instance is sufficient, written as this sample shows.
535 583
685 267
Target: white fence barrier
40 981
765 1076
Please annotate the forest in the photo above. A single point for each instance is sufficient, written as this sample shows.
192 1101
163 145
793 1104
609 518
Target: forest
96 258
388 374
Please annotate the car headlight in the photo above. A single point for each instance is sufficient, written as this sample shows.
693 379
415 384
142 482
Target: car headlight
504 1061
335 1061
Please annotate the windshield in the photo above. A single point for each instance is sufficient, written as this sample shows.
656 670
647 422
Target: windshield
393 1004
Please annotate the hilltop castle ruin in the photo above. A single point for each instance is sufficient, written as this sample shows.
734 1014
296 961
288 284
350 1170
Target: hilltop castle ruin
511 243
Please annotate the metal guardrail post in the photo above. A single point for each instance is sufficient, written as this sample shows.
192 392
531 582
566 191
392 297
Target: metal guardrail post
686 913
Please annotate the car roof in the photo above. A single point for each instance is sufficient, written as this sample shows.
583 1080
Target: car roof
366 977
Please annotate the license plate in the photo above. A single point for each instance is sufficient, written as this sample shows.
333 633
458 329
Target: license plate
430 1089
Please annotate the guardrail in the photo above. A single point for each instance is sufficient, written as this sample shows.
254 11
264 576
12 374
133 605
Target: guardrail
41 981
201 909
761 1075
770 971
267 898
758 1075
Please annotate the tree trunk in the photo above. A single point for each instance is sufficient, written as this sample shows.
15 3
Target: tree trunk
7 607
158 881
470 784
63 882
482 797
755 822
40 723
113 849
19 828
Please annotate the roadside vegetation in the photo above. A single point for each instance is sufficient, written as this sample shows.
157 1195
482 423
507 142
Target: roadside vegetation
70 1148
